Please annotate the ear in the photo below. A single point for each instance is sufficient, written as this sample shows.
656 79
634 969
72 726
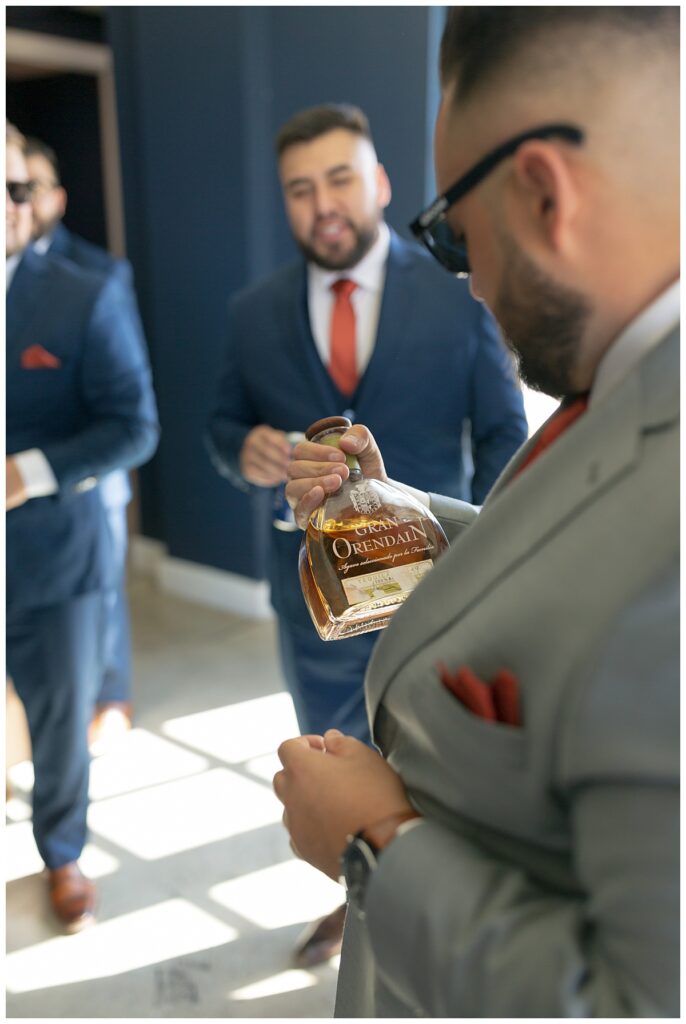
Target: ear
383 187
547 194
62 193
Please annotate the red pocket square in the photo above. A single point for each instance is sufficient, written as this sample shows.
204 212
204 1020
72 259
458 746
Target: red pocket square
470 691
497 701
38 358
506 697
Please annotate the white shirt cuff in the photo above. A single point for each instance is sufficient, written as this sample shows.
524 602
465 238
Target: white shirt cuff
39 479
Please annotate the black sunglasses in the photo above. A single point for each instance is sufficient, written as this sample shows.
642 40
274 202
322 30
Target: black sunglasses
431 227
20 191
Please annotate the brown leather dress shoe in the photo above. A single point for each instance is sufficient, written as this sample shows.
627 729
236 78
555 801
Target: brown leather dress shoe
321 940
110 724
72 897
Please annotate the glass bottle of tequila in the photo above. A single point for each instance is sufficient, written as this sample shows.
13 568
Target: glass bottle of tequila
365 548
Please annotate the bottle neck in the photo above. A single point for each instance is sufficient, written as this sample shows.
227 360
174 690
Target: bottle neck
331 438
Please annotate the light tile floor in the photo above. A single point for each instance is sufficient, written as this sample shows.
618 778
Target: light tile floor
201 901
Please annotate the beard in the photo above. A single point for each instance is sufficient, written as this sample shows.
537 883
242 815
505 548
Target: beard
40 227
542 322
338 257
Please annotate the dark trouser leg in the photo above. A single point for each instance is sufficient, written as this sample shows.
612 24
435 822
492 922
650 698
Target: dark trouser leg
116 677
326 679
54 657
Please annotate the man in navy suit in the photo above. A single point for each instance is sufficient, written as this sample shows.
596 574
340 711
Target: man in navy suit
79 405
48 204
429 370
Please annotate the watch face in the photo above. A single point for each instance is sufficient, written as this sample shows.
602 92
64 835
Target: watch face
358 863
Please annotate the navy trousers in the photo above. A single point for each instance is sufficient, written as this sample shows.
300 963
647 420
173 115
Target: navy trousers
54 656
326 679
116 670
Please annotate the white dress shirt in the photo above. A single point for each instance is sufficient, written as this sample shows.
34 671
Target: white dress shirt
42 244
643 333
369 275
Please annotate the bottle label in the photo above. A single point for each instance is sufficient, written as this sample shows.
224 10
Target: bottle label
379 586
364 499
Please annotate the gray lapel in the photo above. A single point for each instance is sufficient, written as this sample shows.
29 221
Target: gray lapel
522 512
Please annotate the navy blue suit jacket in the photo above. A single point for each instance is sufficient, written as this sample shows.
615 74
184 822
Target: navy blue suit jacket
91 257
116 489
93 413
438 360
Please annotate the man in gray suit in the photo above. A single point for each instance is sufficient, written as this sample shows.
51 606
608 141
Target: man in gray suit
514 851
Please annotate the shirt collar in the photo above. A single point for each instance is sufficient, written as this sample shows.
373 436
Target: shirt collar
367 274
42 244
644 332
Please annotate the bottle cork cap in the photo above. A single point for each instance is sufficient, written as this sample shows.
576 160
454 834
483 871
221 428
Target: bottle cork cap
328 423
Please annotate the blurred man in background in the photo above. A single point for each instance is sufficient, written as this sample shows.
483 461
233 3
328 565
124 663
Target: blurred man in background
362 325
48 205
79 406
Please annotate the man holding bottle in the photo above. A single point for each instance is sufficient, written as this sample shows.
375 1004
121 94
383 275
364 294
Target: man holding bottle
520 858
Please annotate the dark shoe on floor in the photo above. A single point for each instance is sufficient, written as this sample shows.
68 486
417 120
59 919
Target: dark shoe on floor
72 897
109 727
321 940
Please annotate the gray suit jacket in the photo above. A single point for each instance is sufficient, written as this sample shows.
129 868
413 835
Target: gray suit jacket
544 881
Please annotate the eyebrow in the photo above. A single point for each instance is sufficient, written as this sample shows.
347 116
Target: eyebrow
293 182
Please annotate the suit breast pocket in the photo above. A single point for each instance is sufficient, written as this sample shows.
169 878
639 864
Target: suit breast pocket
469 766
466 735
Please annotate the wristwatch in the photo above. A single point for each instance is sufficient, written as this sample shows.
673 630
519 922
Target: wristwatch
361 855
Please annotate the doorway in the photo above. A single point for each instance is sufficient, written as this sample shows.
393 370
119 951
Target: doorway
62 91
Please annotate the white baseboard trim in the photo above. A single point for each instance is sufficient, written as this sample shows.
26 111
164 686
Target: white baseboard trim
145 554
202 584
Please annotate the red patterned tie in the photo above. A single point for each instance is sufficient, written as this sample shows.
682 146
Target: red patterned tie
343 359
563 418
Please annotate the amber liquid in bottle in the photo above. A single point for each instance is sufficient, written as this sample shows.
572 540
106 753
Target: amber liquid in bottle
364 551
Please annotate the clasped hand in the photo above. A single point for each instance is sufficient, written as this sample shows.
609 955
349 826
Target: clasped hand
332 786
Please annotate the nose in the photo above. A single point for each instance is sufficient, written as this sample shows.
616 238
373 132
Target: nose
323 200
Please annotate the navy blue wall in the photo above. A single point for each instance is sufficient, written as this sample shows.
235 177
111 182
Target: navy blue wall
201 94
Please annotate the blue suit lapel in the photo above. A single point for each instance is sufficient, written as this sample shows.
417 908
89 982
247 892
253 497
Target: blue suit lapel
24 298
61 241
303 348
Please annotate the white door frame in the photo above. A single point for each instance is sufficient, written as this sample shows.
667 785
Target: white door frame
55 54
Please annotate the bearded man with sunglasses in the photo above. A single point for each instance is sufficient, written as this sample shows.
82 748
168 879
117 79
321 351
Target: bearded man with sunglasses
513 851
79 405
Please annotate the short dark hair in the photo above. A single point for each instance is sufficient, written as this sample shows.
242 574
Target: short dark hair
315 121
35 147
479 42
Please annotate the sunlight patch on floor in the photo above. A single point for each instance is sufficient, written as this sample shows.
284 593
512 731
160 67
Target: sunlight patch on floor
288 981
162 932
142 759
185 814
22 858
281 895
238 732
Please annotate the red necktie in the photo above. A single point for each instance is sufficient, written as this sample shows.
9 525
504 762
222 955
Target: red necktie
343 358
563 418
